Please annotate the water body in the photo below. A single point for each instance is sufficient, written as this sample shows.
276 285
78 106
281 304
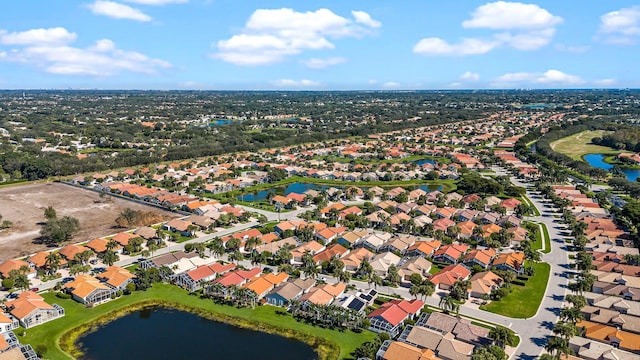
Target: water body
161 333
424 161
300 188
597 160
220 122
296 187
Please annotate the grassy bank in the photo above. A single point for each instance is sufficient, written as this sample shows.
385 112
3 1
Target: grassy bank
547 239
523 301
577 145
54 336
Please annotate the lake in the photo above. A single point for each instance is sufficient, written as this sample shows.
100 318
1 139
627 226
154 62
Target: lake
597 160
424 161
161 333
300 188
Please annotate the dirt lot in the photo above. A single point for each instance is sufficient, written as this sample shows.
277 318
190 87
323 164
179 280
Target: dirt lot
24 206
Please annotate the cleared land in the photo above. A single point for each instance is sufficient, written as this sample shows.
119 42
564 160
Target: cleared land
45 338
24 206
578 145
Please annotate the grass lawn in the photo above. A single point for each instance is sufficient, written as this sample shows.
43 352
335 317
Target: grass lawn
48 335
547 239
577 145
523 301
527 201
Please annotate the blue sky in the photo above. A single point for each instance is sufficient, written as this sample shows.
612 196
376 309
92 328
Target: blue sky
318 45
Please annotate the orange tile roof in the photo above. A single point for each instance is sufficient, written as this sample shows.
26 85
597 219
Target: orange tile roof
116 276
26 303
84 285
39 259
514 259
98 245
70 251
12 264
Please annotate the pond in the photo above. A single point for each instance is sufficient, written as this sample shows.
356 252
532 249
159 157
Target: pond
300 188
161 333
597 161
424 161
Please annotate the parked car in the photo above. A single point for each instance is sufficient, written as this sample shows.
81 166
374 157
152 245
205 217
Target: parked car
35 289
67 279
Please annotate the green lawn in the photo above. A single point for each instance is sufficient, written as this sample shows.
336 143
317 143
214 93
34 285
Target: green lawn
523 301
528 201
547 239
577 145
48 335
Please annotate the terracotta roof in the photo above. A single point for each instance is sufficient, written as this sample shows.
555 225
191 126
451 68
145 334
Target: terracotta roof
70 251
84 285
116 276
514 260
39 259
26 303
12 264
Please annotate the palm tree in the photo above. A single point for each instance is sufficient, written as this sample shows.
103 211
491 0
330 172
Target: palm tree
252 243
448 304
502 336
365 268
235 256
109 257
392 275
311 270
565 330
216 247
112 244
52 262
572 315
557 346
578 301
374 279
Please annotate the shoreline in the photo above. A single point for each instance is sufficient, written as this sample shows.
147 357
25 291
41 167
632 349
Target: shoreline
68 341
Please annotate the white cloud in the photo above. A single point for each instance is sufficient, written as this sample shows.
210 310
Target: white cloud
157 2
288 83
549 77
605 82
362 17
57 35
621 26
470 76
271 35
523 27
315 63
511 15
372 81
391 85
574 49
118 11
437 46
101 59
558 77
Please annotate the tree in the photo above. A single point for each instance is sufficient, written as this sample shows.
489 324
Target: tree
557 346
50 213
502 336
577 301
449 304
235 256
392 275
56 231
112 244
491 352
572 315
566 330
127 217
52 262
110 257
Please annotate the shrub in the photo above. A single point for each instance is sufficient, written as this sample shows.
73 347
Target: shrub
519 283
7 283
62 295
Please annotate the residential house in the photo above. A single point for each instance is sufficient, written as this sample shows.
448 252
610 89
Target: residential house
313 247
89 291
510 261
182 227
116 277
264 283
483 283
350 238
423 248
450 253
31 310
323 294
480 257
194 279
353 260
448 276
374 241
14 264
415 265
287 292
390 316
331 252
381 263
